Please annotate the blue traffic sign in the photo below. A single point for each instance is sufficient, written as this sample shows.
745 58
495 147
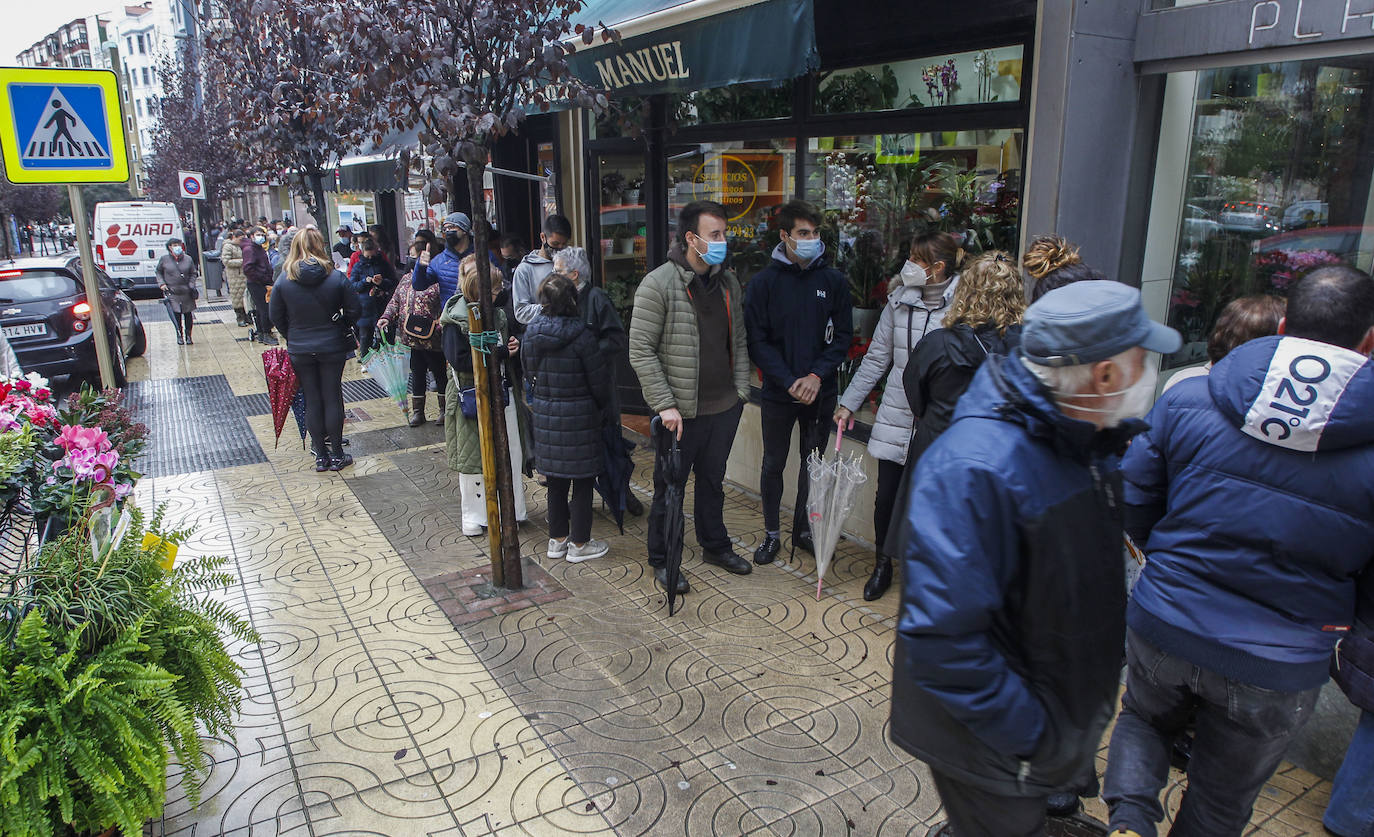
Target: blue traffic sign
61 126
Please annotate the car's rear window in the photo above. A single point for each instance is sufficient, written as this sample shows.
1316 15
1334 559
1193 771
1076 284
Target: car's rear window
31 285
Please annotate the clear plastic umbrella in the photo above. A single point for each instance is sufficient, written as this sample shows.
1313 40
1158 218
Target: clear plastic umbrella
388 367
834 483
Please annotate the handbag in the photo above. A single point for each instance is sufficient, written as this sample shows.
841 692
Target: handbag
419 326
467 400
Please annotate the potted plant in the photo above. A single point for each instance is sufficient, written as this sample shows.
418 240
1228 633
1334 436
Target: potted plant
612 188
632 190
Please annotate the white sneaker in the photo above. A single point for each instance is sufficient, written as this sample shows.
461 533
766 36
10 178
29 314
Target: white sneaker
587 551
472 530
557 548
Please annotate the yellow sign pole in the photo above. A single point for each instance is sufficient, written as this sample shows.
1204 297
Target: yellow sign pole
93 298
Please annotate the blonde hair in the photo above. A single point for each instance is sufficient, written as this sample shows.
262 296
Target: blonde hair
307 246
1048 253
467 278
989 292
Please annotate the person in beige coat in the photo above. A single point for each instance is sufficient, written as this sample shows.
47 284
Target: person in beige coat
231 255
689 349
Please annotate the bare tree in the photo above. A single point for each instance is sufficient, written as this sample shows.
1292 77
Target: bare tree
190 135
283 75
464 72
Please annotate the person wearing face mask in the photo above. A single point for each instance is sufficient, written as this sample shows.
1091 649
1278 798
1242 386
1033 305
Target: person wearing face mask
536 267
177 277
918 298
797 313
343 248
257 272
1252 499
443 268
231 256
689 349
1009 635
373 279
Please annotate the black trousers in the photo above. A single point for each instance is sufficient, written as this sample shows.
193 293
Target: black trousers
321 377
778 419
182 322
974 812
704 451
571 518
367 335
424 362
889 485
259 295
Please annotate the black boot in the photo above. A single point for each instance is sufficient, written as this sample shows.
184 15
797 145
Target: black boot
768 550
661 576
802 540
338 460
880 580
633 506
181 338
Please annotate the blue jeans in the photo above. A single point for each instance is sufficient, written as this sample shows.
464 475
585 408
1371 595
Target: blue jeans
1351 810
1242 733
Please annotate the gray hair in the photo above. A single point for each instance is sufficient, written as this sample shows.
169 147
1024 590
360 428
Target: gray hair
571 259
1064 381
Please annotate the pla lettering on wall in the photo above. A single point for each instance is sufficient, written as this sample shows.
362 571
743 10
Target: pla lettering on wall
1268 14
658 62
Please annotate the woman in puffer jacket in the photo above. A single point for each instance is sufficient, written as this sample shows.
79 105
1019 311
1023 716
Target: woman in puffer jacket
917 300
415 315
462 437
572 400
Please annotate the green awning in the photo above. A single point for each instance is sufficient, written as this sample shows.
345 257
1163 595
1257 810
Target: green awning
768 41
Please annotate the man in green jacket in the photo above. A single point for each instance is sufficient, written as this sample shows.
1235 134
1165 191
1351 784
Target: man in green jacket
689 349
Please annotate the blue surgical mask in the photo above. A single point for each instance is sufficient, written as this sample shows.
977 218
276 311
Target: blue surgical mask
177 251
715 252
807 249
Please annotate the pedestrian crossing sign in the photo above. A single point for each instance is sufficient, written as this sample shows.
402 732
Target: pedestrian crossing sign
61 126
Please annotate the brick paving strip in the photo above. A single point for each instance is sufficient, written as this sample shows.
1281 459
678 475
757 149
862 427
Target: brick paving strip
469 596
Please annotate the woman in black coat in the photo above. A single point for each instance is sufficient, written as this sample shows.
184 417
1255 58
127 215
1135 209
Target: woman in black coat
572 398
314 308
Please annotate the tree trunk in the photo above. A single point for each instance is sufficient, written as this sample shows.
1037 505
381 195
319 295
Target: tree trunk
509 557
317 198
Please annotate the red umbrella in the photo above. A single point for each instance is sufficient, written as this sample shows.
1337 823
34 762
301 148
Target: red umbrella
282 386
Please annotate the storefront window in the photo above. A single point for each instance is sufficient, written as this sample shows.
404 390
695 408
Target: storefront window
965 78
737 103
1278 183
623 228
878 191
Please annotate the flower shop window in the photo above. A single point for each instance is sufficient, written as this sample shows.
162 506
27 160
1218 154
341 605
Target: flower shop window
736 103
1278 183
878 191
965 78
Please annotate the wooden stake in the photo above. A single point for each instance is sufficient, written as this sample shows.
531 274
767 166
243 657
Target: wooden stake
489 473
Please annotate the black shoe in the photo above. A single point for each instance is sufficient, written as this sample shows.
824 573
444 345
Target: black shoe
767 551
661 576
941 829
802 540
880 580
633 506
728 561
267 340
321 461
181 341
338 460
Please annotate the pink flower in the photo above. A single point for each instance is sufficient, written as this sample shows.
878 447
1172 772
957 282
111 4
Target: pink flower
75 437
8 421
122 490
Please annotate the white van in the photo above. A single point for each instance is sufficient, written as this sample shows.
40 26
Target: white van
131 236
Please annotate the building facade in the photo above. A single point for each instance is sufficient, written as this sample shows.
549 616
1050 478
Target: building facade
74 45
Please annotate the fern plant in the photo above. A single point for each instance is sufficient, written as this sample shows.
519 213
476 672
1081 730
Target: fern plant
82 738
95 602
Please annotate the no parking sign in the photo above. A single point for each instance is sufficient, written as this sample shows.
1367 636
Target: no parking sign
192 185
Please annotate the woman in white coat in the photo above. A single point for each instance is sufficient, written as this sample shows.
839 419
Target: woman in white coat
917 300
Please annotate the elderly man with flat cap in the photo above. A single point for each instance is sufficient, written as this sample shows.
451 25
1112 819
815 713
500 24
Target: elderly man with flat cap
1010 633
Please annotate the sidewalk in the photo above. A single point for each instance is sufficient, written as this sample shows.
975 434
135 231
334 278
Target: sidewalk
389 697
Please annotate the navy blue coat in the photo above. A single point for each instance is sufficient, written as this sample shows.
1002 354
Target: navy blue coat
372 299
1353 668
571 395
1012 620
1253 495
799 322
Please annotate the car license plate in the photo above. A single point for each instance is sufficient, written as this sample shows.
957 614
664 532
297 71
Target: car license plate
27 330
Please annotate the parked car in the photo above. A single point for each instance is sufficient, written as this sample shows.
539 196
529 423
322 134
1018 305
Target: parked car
1304 214
1353 245
1199 225
46 316
1250 217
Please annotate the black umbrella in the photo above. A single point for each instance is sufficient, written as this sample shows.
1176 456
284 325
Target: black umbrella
668 463
613 483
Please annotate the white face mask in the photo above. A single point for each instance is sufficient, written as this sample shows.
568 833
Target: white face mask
1135 402
913 275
